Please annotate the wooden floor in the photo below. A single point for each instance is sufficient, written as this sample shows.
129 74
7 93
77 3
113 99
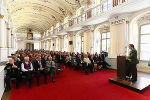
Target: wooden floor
6 95
139 86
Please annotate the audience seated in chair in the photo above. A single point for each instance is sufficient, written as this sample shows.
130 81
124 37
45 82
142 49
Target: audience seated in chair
27 69
39 69
12 72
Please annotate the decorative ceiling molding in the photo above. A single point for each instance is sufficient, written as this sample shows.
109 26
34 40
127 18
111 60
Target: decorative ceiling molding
39 15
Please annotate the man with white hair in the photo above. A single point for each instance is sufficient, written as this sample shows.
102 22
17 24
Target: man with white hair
12 72
87 64
27 69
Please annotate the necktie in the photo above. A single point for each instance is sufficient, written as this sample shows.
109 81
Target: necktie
40 64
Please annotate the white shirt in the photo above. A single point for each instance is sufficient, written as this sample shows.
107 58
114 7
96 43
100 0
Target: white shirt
23 69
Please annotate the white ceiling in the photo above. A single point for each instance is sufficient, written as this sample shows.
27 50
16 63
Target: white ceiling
39 15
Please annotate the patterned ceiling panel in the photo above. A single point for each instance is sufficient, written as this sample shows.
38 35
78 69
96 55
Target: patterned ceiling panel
40 15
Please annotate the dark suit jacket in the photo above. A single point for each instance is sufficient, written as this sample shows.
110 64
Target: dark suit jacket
36 65
11 70
43 62
18 64
133 57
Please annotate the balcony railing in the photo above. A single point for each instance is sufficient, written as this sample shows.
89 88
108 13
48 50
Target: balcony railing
98 10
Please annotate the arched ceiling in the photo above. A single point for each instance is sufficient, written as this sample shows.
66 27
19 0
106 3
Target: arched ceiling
39 15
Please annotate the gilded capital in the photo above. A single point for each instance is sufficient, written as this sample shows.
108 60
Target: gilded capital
2 47
92 30
1 16
127 22
8 28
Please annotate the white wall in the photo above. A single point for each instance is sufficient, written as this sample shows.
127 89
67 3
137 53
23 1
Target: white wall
37 45
1 81
4 54
21 45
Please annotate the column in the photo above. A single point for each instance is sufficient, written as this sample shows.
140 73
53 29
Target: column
45 45
78 42
70 42
92 41
74 42
3 39
49 44
9 41
57 44
62 43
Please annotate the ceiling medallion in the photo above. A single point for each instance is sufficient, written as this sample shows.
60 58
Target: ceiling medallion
1 16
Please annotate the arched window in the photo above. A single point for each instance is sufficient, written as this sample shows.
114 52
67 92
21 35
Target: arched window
145 42
105 40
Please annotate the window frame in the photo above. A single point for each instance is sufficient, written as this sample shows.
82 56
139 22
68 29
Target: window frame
139 43
106 41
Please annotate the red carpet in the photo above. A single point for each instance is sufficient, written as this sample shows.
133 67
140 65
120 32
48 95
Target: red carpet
74 85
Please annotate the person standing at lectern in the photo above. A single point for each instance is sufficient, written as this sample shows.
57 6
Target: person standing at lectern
132 62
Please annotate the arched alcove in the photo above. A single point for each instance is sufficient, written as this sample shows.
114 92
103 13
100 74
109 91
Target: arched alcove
99 30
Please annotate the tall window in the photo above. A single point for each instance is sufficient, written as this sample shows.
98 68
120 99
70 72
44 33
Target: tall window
145 42
105 41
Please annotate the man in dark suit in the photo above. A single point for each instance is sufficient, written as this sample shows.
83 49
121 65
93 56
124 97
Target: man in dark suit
132 62
39 69
12 72
57 60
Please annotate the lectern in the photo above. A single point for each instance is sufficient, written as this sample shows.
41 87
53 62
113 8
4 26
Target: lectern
121 67
139 86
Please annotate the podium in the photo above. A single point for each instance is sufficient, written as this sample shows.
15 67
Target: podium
121 67
139 86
